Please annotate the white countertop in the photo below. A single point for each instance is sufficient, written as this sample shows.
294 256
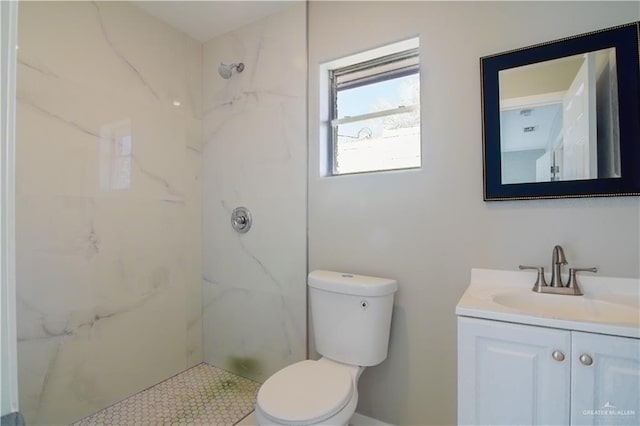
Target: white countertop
609 305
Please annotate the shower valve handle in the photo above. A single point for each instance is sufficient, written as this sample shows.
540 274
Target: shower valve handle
241 219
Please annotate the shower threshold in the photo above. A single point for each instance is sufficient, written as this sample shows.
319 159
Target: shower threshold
201 395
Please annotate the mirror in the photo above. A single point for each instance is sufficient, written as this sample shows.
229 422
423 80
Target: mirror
559 119
562 119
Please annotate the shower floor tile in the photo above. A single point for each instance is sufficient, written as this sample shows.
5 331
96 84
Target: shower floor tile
202 395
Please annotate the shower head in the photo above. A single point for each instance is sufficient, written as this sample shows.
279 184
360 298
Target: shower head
226 71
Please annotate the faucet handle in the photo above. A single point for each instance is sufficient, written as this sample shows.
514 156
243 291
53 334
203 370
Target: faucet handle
573 283
540 281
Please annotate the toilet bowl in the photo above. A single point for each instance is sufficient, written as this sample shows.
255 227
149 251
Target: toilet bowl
351 320
322 392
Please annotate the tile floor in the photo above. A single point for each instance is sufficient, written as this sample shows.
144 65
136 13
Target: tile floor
202 395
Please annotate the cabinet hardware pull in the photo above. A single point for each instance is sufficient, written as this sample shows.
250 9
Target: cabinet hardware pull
558 356
586 359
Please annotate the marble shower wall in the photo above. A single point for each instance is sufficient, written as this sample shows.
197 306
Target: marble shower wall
254 155
108 206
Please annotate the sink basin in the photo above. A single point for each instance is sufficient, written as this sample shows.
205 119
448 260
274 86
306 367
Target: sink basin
577 308
610 305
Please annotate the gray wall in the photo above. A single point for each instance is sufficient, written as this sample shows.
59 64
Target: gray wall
429 227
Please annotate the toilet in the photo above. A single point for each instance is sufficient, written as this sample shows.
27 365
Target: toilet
351 320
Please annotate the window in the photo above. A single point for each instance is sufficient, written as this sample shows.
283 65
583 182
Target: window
374 114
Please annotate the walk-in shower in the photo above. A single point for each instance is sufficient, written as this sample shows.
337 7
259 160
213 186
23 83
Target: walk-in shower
131 153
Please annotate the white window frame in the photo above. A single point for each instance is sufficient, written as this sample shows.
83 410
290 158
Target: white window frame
392 53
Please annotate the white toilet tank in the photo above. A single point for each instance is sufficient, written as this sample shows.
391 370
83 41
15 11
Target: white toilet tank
351 316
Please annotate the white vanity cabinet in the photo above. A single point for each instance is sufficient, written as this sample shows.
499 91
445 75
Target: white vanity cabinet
521 374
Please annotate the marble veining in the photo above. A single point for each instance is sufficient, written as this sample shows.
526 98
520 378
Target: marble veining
42 70
117 168
252 256
254 155
58 325
83 129
158 179
108 271
120 55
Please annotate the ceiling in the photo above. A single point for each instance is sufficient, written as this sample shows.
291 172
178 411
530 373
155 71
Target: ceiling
528 128
204 20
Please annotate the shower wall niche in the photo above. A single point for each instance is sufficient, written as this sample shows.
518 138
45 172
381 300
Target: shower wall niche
108 206
254 155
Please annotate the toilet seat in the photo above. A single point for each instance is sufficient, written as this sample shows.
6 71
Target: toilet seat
306 392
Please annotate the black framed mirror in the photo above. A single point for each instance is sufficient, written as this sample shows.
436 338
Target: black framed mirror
562 119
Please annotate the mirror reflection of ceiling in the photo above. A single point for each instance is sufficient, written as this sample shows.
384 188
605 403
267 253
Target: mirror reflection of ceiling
542 77
530 128
531 101
534 127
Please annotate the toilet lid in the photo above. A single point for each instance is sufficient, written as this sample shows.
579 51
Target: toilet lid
305 392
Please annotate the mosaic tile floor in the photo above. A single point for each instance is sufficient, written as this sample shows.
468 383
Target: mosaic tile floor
202 395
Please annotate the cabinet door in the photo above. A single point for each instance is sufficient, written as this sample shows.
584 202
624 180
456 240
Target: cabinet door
605 380
507 374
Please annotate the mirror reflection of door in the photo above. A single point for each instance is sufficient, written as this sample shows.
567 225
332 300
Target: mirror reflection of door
579 124
559 120
543 167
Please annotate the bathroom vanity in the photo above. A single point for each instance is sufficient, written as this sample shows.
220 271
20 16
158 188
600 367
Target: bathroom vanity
531 358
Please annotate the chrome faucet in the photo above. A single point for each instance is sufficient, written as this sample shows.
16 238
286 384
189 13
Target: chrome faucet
556 286
557 260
